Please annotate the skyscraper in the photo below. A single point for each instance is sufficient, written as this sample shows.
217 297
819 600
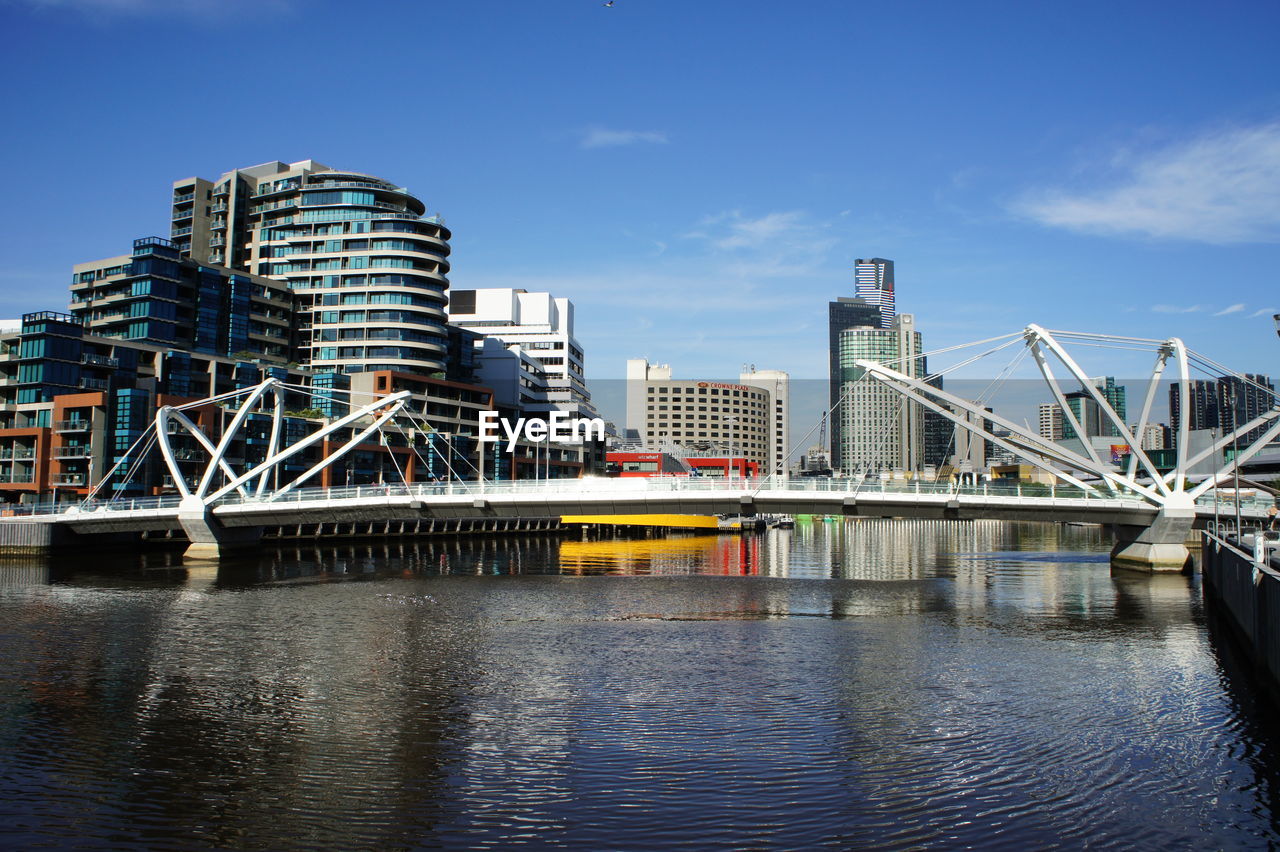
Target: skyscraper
1202 406
1089 414
1242 399
366 264
873 280
842 314
878 428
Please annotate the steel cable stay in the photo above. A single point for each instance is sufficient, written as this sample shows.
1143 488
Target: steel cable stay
412 445
1046 348
148 436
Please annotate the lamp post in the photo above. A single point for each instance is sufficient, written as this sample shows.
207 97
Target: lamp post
1235 453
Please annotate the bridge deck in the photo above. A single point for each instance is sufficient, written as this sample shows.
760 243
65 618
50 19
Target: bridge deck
681 496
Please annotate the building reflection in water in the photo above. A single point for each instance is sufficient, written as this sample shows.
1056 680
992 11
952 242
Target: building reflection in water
370 695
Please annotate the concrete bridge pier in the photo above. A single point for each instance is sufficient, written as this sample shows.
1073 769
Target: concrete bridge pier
210 540
1161 547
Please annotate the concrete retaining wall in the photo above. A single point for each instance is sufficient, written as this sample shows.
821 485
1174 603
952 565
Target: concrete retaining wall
1247 593
26 538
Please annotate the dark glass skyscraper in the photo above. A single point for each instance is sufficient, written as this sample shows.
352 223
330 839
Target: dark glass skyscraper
1225 404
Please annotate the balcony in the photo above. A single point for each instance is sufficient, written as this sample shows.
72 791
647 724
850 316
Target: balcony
71 452
217 240
68 479
71 426
180 232
17 453
277 205
354 184
269 189
99 360
179 215
219 207
17 478
93 384
178 199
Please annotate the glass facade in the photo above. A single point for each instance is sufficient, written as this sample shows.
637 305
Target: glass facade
319 230
878 430
163 299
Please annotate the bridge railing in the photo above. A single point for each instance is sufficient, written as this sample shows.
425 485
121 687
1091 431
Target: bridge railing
667 484
865 488
61 507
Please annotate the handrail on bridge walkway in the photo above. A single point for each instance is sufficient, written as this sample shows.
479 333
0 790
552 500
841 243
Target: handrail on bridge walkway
597 485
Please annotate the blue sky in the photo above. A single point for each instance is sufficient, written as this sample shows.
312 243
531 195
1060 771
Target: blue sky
698 177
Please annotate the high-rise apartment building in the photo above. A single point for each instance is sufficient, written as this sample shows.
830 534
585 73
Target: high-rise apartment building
1242 399
873 280
366 264
1155 436
1202 406
1050 421
1055 425
155 296
1224 404
878 429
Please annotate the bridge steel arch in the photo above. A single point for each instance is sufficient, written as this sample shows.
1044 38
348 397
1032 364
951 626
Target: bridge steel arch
210 538
1159 546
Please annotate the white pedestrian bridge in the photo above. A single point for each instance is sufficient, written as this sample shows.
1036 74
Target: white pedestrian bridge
1153 510
243 516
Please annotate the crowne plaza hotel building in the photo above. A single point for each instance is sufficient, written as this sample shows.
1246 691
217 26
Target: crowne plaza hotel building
699 416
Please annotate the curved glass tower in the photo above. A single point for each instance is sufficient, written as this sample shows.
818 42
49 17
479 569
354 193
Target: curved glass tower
368 266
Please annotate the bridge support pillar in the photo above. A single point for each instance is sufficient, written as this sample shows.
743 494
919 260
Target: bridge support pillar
210 540
1161 547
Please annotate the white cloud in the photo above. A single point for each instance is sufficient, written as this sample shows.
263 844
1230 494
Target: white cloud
1234 309
1221 187
1175 309
1263 312
748 233
599 137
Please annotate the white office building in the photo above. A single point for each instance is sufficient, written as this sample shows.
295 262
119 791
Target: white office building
775 382
540 363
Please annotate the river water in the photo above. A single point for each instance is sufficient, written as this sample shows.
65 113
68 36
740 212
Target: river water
896 684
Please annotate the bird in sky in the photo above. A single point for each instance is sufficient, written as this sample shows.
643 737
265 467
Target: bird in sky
606 5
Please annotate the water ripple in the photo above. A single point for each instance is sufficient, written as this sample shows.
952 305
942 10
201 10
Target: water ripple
844 685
